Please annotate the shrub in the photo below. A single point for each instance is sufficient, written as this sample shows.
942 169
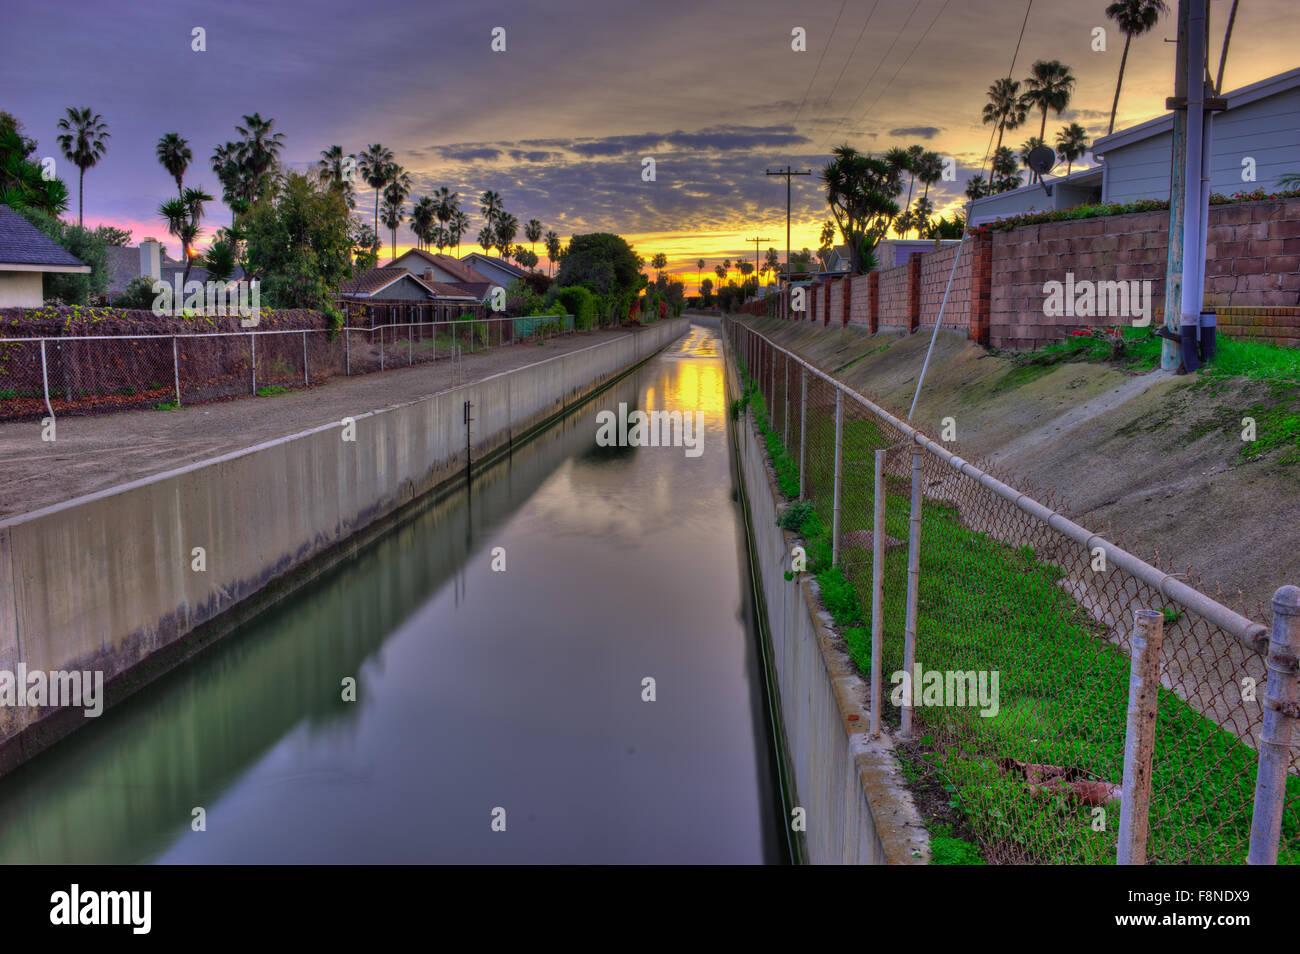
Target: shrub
137 294
579 302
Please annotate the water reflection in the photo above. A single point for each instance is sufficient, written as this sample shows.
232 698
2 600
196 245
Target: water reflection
476 689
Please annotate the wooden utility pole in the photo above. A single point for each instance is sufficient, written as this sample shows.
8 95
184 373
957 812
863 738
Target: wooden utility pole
756 242
789 174
1170 351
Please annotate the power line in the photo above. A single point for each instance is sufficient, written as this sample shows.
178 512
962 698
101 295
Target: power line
757 242
789 173
915 6
849 58
820 60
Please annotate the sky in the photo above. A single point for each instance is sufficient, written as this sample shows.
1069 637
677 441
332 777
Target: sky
561 121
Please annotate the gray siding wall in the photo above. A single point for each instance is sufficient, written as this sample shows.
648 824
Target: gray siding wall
1267 130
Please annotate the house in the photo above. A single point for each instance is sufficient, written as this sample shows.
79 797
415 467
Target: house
1082 187
388 284
445 269
1252 143
494 269
150 260
26 254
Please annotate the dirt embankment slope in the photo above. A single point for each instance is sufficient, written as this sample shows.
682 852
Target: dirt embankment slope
1156 456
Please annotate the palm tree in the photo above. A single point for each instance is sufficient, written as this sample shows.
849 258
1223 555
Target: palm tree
393 214
929 169
230 173
180 223
486 238
1006 108
457 226
898 161
1005 171
423 214
914 154
491 207
553 249
84 141
507 226
1048 87
446 206
699 270
921 213
259 152
1134 17
333 170
375 164
721 273
1071 144
174 154
976 187
533 232
194 200
1030 144
659 262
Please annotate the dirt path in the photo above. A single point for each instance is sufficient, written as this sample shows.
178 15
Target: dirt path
97 452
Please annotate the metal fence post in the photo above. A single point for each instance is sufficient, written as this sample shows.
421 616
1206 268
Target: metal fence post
839 447
1139 736
381 347
803 426
252 337
306 380
347 350
1281 709
913 586
785 383
410 346
176 368
877 582
45 380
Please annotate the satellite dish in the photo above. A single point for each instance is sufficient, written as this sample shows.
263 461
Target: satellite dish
1041 159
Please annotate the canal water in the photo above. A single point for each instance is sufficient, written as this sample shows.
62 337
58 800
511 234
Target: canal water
486 699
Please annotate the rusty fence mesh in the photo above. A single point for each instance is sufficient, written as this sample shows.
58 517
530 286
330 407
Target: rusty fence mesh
1020 679
91 374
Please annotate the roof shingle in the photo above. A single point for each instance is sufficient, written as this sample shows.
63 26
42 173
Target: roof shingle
22 243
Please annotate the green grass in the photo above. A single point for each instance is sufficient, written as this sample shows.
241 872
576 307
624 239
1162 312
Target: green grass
271 390
984 605
166 406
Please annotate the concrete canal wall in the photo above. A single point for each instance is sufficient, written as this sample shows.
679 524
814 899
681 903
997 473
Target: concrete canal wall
857 810
113 581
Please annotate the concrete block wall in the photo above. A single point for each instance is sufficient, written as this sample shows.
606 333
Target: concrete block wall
836 310
1269 325
895 307
104 581
936 267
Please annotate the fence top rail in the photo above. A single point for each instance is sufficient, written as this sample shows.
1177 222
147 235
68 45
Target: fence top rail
1253 635
267 331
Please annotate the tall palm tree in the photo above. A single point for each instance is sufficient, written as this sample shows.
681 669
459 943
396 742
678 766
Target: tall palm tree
259 152
929 169
194 200
1134 17
375 165
1005 170
552 244
1006 108
699 270
423 216
180 223
446 206
174 155
84 141
897 160
914 154
1049 86
533 232
976 187
393 214
507 228
1071 144
721 273
333 170
486 238
457 226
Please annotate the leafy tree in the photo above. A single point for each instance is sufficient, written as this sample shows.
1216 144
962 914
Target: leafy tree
1134 18
365 245
84 140
1049 86
174 155
300 244
21 184
860 189
605 264
220 260
88 245
706 292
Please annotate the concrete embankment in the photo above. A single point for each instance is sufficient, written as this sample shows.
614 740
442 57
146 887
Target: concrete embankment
130 580
856 808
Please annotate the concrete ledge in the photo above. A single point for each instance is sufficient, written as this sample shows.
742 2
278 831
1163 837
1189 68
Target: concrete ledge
107 581
858 809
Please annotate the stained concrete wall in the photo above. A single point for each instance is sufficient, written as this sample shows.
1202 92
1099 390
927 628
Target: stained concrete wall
105 581
857 808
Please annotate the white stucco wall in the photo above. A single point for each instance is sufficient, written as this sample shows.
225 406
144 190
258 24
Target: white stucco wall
20 290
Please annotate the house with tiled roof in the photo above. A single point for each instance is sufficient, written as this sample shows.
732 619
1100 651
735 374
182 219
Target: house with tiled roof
447 270
26 254
389 283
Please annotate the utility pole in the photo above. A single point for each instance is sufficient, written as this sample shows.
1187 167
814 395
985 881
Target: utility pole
1170 353
789 175
756 242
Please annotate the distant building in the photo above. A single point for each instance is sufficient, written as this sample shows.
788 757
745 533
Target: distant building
389 283
26 254
150 260
433 267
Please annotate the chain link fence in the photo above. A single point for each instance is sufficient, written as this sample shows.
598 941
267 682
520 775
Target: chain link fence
1054 698
89 374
